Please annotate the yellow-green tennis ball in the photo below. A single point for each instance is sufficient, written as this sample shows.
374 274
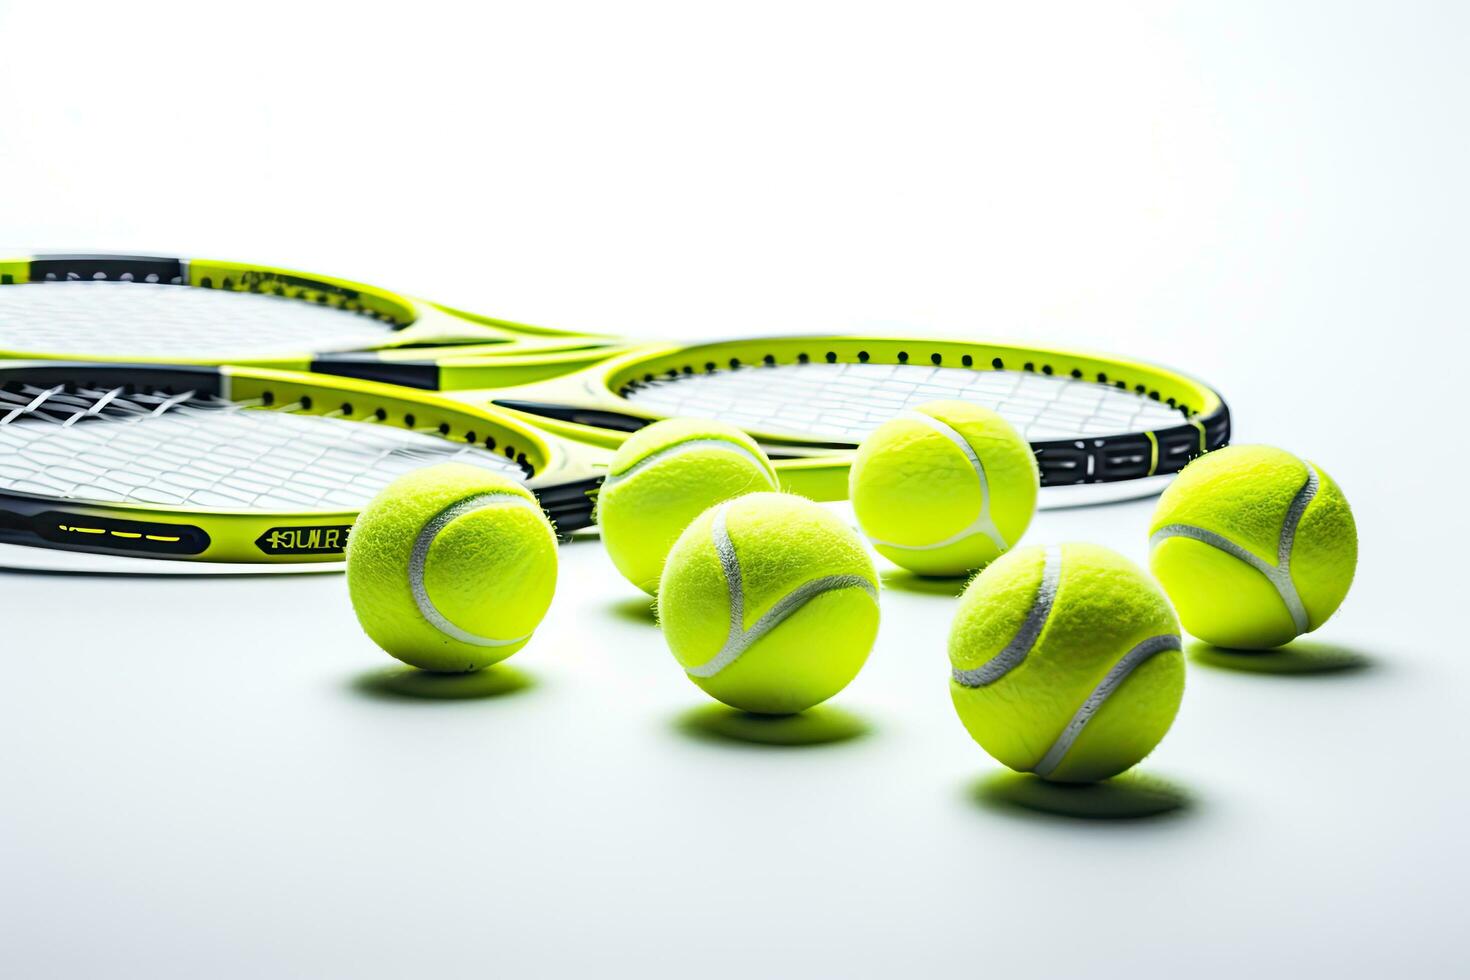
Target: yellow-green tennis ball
451 567
769 603
944 489
665 476
1254 546
1066 662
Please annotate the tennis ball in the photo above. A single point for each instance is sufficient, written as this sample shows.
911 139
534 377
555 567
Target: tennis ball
945 488
769 603
1066 662
1254 546
665 476
451 567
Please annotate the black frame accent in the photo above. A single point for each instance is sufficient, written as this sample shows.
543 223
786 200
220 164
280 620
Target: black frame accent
107 267
184 377
369 367
1063 462
597 417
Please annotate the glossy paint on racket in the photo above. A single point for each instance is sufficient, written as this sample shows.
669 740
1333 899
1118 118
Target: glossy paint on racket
1092 419
255 465
128 308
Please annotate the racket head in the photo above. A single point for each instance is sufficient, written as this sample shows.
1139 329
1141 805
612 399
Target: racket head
117 308
1092 419
239 464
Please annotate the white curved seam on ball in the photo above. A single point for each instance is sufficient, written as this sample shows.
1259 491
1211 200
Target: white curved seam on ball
1021 644
1279 578
932 546
419 557
736 645
1115 677
738 640
690 445
1279 575
983 522
1286 585
734 581
1294 513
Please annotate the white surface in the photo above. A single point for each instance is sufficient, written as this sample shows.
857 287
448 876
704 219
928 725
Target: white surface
1270 196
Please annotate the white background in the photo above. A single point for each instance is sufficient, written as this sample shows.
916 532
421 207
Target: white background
199 779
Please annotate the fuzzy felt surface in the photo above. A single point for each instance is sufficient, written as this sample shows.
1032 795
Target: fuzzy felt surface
781 543
491 572
1245 495
1103 607
643 508
913 488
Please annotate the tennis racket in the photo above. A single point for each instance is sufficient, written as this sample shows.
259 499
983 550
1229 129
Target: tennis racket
127 308
560 400
258 465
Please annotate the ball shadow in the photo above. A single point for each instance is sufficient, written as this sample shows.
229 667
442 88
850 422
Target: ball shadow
1299 658
903 580
639 609
821 725
1130 796
410 683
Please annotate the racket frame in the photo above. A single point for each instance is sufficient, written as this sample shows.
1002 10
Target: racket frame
558 398
593 397
419 330
562 470
563 473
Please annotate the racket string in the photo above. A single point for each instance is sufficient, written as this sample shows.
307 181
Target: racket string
182 449
846 401
133 320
